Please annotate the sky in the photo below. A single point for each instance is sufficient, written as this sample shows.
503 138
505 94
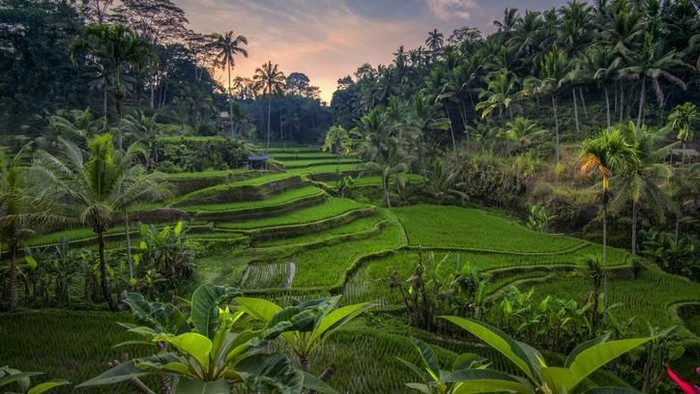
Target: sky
329 39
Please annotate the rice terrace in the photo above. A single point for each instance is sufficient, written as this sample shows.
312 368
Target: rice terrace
510 206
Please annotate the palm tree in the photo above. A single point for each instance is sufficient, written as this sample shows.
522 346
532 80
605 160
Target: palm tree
426 116
94 186
523 132
607 154
500 93
115 47
271 81
226 47
653 63
641 180
598 64
509 22
18 210
435 41
682 120
552 71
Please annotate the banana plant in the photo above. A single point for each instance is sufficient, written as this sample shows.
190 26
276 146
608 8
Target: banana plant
201 352
22 381
435 379
305 340
541 378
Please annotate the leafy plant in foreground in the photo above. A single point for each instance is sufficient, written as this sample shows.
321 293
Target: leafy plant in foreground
200 352
435 379
22 379
579 365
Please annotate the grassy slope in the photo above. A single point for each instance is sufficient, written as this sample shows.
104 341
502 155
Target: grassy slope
275 200
334 207
454 227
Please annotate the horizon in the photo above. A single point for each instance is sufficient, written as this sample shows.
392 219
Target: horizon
330 39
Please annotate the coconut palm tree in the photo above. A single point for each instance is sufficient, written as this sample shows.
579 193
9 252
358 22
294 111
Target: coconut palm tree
523 131
501 93
552 71
642 179
653 63
227 47
598 64
435 41
18 211
682 120
94 186
607 154
114 48
270 80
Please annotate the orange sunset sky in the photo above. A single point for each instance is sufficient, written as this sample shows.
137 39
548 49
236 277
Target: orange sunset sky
329 39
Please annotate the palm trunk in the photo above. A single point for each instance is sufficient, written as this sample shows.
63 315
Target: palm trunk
573 94
641 102
269 109
104 103
230 101
635 214
385 187
129 259
622 100
583 102
607 104
677 227
14 298
556 126
454 141
106 290
605 259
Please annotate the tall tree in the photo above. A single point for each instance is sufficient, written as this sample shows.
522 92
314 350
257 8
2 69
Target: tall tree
114 48
270 80
19 210
94 186
435 40
227 47
653 63
607 154
158 22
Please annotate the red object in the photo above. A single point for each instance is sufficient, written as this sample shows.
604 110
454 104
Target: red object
686 386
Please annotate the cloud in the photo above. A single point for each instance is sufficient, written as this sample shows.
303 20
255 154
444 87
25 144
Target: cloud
448 10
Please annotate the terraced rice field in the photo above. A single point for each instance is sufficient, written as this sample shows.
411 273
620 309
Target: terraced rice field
290 251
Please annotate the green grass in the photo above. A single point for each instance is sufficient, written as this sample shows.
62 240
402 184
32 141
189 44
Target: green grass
368 283
333 207
327 266
354 227
289 164
309 155
205 174
647 298
275 200
64 344
377 180
465 228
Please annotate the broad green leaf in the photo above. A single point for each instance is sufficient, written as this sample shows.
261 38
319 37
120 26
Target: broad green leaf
317 385
259 308
589 360
490 386
586 345
192 344
498 340
116 374
337 319
31 262
612 390
178 228
177 367
13 375
416 369
161 317
188 386
270 373
428 356
205 307
46 386
467 361
419 387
